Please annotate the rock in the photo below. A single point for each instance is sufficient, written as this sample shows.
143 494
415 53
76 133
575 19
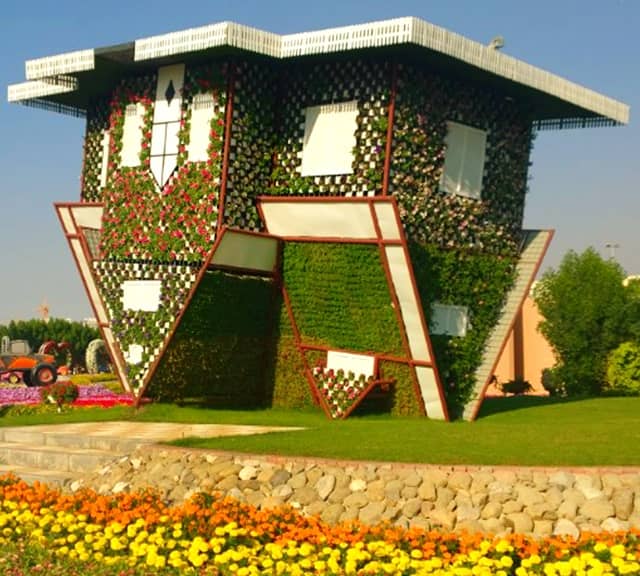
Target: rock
355 500
435 476
622 500
339 494
350 514
561 478
413 479
467 513
445 495
315 508
512 507
227 483
470 526
392 489
597 509
495 526
284 491
460 481
568 509
427 490
332 513
325 486
298 481
614 525
358 485
408 492
491 510
529 496
542 528
269 502
248 473
479 499
280 477
564 527
444 519
521 522
304 496
589 485
371 513
120 487
411 507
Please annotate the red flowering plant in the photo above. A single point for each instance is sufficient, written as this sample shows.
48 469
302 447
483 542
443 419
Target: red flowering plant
59 393
340 392
178 222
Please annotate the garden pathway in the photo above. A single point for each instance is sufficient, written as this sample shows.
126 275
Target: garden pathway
59 453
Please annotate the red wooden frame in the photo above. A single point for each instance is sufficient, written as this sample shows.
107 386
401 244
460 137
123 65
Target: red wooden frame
381 243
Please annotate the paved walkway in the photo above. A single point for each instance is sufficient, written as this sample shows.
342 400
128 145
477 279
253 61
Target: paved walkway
151 431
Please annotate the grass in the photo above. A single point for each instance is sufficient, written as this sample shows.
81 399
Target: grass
510 431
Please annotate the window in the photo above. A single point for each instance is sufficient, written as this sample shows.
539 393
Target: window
449 320
329 139
143 295
464 160
132 135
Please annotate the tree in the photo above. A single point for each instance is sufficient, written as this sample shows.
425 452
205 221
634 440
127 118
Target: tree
585 309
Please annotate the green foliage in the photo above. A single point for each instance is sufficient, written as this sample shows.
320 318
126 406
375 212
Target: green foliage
623 370
36 332
402 394
426 103
340 297
218 352
63 392
552 382
290 387
516 386
585 309
478 281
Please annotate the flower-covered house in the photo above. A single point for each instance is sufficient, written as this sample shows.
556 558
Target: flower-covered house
331 217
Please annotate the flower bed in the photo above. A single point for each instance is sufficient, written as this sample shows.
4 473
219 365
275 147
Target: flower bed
94 395
210 535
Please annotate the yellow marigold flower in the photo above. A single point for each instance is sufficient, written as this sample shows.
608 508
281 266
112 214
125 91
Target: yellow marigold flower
506 561
416 554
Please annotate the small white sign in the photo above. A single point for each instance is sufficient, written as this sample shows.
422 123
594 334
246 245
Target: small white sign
347 362
141 295
133 355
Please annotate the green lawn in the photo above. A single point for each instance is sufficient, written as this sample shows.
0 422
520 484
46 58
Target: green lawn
513 431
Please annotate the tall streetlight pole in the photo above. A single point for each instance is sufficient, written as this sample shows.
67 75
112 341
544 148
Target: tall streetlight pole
612 247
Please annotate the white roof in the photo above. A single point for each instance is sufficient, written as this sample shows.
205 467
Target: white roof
399 31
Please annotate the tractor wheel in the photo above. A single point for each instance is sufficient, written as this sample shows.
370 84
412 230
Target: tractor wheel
14 378
43 375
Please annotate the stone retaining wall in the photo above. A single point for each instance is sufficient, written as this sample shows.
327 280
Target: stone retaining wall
487 499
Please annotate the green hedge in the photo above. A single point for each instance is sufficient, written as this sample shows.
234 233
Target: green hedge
340 297
221 348
478 281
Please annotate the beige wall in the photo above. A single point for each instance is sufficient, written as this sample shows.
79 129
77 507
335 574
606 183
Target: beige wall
526 352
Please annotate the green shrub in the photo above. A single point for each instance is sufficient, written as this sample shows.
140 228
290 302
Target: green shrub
516 386
586 315
59 393
623 370
552 382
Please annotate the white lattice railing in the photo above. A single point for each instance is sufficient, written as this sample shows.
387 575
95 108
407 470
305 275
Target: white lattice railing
36 89
371 35
67 63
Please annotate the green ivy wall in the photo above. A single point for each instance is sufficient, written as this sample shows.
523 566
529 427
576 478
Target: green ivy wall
463 250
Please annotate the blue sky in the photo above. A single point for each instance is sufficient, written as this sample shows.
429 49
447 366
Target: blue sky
584 183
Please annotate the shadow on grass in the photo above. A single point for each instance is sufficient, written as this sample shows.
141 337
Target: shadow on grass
498 404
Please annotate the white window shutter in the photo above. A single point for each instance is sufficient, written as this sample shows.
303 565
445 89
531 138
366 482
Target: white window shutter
329 139
464 160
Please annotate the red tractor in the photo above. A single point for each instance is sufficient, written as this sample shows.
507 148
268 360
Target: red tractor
17 362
